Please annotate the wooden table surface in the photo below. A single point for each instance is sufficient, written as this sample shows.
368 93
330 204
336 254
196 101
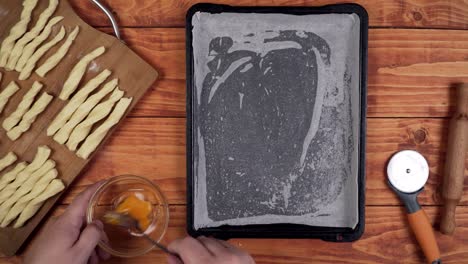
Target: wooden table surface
418 50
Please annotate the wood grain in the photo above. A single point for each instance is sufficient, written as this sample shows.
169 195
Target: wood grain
387 240
426 92
382 13
411 74
135 77
155 148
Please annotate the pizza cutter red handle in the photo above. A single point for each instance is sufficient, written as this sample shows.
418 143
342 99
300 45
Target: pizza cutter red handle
424 233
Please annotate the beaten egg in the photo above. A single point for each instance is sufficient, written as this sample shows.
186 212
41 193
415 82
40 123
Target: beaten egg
138 209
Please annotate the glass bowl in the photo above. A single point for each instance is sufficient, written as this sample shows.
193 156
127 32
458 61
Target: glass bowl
108 196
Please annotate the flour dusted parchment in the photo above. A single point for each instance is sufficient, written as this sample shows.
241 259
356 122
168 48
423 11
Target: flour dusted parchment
276 119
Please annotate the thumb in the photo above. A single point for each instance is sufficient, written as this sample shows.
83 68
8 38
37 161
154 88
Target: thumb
173 260
89 238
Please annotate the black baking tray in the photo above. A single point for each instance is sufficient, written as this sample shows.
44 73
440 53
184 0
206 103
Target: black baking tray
280 230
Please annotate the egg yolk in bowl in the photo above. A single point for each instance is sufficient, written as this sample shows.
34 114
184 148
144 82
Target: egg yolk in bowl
138 209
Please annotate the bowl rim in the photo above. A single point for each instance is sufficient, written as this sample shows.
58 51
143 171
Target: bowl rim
109 182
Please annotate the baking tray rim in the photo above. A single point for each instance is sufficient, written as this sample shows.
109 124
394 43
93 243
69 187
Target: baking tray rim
333 234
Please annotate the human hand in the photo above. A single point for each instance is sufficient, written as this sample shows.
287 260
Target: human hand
204 250
68 239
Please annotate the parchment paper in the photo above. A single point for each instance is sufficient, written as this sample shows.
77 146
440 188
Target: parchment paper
276 119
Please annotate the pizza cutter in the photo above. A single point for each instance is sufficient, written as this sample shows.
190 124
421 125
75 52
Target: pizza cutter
407 173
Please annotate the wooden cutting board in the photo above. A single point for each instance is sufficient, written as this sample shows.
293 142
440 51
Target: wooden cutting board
135 77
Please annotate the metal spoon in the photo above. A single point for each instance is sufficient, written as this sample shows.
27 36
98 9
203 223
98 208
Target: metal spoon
130 223
111 17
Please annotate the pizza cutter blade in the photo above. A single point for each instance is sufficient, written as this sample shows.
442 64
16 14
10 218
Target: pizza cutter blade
407 173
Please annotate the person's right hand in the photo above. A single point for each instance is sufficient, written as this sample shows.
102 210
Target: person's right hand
204 250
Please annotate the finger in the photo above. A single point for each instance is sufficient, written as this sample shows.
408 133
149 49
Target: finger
173 260
213 245
75 213
93 259
101 252
242 254
88 240
226 244
189 248
233 249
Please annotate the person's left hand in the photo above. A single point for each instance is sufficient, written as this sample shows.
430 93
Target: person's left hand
68 239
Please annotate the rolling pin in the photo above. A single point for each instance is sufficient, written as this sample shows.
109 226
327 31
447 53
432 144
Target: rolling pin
452 188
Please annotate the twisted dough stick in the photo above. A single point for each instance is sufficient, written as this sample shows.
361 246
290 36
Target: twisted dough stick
99 112
30 182
42 155
54 187
16 31
55 59
96 137
76 101
41 22
77 73
23 106
7 160
82 111
25 188
30 116
31 47
39 187
29 67
11 175
8 92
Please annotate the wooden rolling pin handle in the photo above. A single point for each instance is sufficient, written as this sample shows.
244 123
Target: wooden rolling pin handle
452 189
447 223
462 100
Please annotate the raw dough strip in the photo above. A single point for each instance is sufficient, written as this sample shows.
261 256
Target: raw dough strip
98 135
39 187
99 112
30 116
55 59
82 111
76 101
6 161
30 182
54 187
17 31
11 175
23 106
8 92
42 155
31 47
26 187
77 73
29 67
31 35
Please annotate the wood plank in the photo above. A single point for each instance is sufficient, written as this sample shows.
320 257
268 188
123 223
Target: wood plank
149 147
387 239
411 72
155 148
135 77
382 13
